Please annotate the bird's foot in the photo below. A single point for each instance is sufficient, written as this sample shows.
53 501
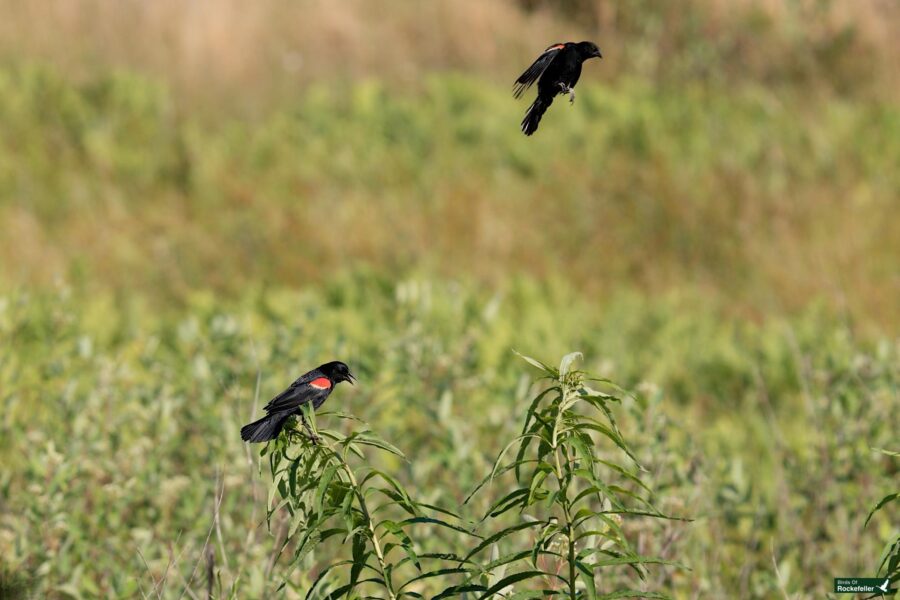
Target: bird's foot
568 90
311 435
306 434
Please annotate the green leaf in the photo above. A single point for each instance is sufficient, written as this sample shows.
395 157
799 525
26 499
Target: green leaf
609 433
430 574
492 475
324 482
397 499
634 594
343 590
512 500
632 560
515 578
497 469
528 594
534 362
884 501
323 574
624 473
506 559
457 590
434 521
405 542
292 477
360 556
537 480
889 561
383 445
341 415
887 452
500 535
438 509
587 579
391 480
527 428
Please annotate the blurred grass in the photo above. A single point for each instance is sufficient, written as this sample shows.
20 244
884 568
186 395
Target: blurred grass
770 201
226 54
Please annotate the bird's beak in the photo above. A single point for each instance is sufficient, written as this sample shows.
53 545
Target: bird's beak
598 55
351 378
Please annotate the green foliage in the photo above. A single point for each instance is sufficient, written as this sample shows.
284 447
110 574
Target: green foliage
13 586
120 424
366 509
572 500
889 565
730 189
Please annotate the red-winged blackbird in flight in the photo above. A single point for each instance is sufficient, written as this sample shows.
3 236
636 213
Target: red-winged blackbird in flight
558 68
314 387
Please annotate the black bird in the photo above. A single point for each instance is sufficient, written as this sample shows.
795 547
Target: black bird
314 387
558 68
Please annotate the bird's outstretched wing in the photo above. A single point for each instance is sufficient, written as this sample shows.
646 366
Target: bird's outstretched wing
537 68
307 388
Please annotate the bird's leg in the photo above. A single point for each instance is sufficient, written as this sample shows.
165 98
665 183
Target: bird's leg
568 90
309 432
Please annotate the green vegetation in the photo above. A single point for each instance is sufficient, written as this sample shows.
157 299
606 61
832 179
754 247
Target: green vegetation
196 206
572 495
120 426
582 496
890 558
769 202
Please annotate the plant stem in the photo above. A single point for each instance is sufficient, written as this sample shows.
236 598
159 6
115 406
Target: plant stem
571 534
564 485
373 535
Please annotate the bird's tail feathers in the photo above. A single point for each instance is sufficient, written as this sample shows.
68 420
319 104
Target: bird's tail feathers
534 114
264 429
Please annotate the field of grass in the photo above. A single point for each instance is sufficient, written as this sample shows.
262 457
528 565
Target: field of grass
120 427
196 206
769 200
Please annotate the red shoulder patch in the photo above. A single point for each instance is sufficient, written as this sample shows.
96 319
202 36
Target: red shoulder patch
555 47
320 383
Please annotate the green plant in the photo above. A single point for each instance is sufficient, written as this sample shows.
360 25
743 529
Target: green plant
760 431
572 492
889 563
328 497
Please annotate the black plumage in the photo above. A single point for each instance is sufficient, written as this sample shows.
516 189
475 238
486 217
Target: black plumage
314 387
556 71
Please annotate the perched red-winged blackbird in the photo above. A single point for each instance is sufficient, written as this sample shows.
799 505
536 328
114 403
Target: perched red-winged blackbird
314 387
558 68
